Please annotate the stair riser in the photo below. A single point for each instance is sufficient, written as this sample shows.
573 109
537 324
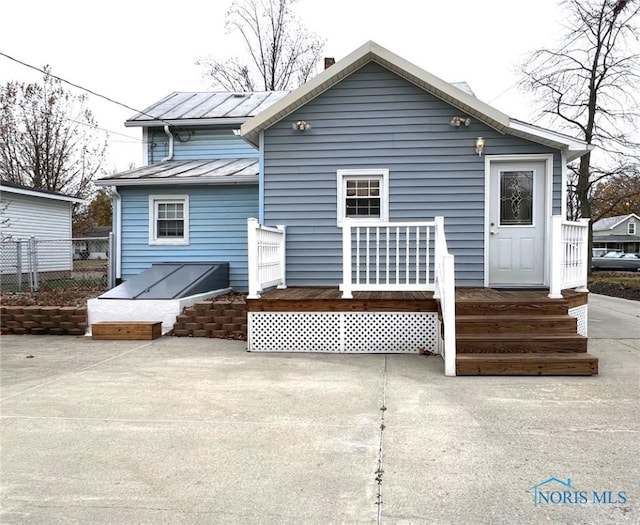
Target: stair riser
510 309
578 345
504 326
526 366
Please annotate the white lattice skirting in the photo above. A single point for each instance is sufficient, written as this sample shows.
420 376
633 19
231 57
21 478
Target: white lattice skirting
580 313
359 332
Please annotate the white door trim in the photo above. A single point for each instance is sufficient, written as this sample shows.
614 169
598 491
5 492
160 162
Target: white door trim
548 203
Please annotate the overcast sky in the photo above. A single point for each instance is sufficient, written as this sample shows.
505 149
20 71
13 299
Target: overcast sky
138 51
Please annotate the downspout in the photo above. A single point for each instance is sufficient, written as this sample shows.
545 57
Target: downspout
117 216
170 135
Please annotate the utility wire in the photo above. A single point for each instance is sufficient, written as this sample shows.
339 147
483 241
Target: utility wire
544 62
108 99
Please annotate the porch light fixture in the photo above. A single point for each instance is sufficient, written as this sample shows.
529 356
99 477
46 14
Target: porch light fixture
479 146
301 125
456 122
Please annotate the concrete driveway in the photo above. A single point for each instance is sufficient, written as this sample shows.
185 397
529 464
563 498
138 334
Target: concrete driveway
197 431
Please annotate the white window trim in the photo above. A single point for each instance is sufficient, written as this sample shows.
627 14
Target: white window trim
364 173
153 235
629 228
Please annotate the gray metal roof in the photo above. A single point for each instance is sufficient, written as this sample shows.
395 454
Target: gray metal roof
205 107
608 223
218 171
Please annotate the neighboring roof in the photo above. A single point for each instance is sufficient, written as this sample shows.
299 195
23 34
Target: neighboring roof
219 171
609 223
189 108
461 99
93 232
12 187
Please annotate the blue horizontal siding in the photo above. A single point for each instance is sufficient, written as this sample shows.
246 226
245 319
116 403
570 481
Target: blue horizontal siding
375 119
202 143
217 228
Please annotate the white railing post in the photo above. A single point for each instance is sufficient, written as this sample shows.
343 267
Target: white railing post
556 258
252 255
283 256
584 255
346 260
437 253
449 314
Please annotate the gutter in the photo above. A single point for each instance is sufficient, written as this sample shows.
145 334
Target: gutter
170 135
241 179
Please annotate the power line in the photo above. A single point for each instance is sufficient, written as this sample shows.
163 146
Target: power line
108 99
544 62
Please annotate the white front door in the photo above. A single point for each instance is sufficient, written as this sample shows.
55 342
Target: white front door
517 223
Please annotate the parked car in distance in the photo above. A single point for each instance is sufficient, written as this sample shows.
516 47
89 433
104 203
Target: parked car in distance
599 252
629 262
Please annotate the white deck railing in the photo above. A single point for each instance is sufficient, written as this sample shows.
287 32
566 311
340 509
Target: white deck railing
391 256
569 256
445 290
397 256
266 254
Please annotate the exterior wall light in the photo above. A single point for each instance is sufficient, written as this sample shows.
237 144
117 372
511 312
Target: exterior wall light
301 125
456 122
479 146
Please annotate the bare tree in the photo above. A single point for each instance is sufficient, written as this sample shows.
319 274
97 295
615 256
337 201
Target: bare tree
590 85
48 138
281 52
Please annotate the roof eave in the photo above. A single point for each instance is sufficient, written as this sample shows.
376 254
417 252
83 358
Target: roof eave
372 52
204 181
43 195
185 122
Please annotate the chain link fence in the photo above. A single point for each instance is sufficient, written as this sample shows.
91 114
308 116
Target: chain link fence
43 264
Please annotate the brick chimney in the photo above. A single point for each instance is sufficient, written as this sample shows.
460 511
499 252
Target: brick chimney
328 62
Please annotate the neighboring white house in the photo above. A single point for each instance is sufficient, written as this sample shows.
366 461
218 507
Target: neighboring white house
26 213
618 233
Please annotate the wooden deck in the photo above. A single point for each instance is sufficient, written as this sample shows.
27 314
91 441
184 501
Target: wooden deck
330 300
305 299
498 332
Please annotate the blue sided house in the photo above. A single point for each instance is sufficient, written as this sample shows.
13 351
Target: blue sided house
376 208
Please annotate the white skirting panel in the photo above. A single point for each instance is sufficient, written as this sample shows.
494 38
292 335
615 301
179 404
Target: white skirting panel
358 332
580 313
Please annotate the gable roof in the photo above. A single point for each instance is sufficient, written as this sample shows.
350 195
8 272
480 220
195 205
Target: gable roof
202 108
218 171
461 99
609 223
11 187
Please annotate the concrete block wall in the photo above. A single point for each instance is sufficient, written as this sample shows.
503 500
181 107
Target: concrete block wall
221 319
41 320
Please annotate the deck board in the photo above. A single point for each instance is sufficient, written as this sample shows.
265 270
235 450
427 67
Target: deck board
311 299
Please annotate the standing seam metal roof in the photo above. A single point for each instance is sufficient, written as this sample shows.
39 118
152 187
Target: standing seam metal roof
218 171
206 105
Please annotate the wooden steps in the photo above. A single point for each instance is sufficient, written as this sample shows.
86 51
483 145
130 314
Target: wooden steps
527 364
512 336
126 330
499 324
515 342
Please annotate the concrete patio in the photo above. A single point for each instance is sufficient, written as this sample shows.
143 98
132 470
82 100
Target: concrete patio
198 431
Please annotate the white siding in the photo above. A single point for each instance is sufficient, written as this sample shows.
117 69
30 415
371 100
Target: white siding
26 216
